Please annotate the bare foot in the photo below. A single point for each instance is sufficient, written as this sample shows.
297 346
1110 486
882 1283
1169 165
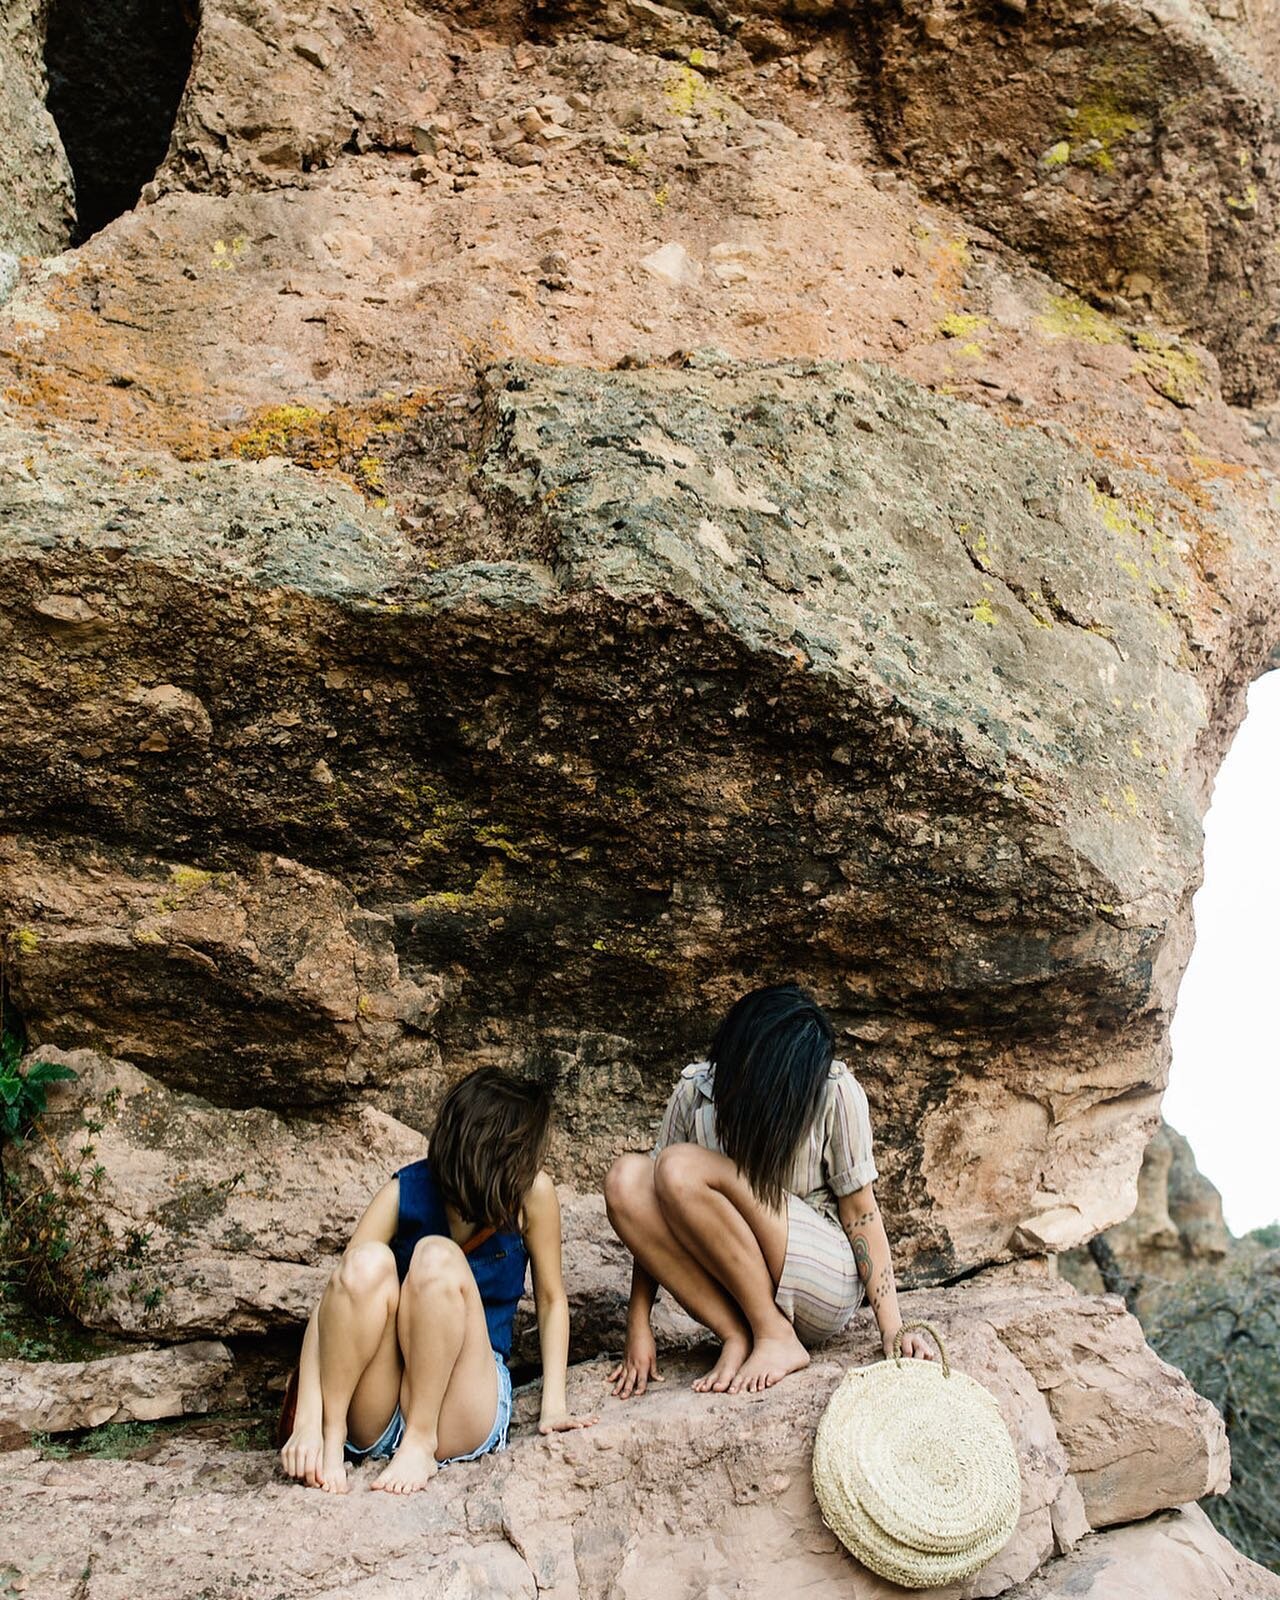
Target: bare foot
333 1468
769 1362
733 1352
411 1468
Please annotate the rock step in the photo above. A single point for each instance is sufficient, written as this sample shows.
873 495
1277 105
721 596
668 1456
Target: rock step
136 1386
673 1494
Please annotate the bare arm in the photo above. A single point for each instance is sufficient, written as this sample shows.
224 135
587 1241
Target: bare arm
542 1238
864 1227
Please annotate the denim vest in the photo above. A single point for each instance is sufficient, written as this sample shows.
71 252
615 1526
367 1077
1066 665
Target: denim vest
498 1264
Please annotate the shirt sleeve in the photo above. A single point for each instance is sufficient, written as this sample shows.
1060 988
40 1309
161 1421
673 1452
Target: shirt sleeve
847 1156
677 1119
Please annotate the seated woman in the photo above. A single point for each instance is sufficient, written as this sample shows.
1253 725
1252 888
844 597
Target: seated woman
756 1211
406 1354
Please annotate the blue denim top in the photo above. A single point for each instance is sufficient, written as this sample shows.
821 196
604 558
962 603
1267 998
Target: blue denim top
498 1265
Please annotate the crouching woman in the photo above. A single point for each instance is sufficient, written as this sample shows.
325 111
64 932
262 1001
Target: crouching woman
406 1355
757 1211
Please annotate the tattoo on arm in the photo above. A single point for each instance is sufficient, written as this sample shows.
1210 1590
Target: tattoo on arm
877 1283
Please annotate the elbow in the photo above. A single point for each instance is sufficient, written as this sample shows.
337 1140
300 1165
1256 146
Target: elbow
554 1303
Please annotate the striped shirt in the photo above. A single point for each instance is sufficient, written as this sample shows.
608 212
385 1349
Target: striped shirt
834 1160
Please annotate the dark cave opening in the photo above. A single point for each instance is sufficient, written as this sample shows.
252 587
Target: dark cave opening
116 76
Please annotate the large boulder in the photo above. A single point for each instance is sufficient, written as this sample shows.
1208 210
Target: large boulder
671 1493
900 697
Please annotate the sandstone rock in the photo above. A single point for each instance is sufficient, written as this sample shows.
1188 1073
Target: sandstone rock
673 264
137 1386
1171 165
1105 1388
668 1491
269 986
1179 1553
36 188
246 1211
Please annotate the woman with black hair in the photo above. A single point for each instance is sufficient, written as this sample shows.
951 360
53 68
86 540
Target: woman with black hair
756 1210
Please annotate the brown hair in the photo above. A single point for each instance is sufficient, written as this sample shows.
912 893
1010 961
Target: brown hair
488 1143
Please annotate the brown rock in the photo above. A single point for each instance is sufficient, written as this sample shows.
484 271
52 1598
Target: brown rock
272 983
36 188
665 1490
138 1386
1179 1553
246 1210
1164 153
1106 1389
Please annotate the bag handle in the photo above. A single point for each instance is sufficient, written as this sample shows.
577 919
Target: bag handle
925 1327
481 1236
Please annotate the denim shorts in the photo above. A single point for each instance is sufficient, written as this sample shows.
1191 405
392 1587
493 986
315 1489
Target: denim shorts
388 1441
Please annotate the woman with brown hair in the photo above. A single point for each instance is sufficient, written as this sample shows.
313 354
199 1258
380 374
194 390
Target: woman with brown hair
406 1354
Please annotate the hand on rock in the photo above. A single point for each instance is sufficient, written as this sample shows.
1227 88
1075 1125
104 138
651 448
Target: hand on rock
914 1345
565 1423
639 1364
302 1454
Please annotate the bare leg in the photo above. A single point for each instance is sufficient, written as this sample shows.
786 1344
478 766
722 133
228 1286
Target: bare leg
449 1391
711 1209
637 1217
359 1358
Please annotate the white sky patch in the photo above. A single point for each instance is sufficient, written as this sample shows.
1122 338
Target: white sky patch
1224 1086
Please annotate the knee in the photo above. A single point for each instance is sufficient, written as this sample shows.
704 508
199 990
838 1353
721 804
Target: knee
678 1171
365 1269
437 1263
626 1183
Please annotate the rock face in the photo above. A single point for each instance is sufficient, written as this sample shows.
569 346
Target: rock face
532 527
36 190
1127 146
653 1499
1176 1226
655 719
139 1386
246 1212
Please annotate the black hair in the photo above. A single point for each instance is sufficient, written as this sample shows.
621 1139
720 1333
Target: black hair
771 1055
488 1143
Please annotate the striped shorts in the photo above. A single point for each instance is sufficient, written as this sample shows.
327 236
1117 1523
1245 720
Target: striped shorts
819 1289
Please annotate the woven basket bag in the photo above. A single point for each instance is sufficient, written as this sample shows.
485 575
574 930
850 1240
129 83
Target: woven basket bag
915 1471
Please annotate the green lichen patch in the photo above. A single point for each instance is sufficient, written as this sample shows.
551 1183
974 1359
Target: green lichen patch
1067 316
1169 367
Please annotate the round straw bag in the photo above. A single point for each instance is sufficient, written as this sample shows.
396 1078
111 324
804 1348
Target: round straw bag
915 1471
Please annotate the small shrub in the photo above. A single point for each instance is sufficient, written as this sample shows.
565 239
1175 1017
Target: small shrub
23 1094
56 1249
1221 1325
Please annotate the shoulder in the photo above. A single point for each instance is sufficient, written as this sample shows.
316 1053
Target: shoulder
844 1090
541 1204
697 1078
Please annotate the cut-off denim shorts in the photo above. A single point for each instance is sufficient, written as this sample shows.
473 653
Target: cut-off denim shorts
388 1441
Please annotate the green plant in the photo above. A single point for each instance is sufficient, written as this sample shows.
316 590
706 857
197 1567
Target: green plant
23 1094
56 1249
1221 1325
